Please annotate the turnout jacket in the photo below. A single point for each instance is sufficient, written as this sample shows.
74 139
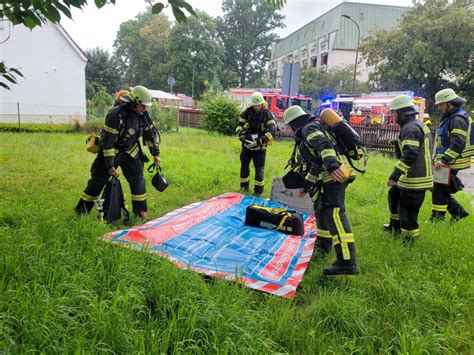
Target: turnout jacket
260 123
413 170
451 140
318 149
122 129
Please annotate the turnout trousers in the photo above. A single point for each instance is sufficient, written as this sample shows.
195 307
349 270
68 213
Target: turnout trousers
132 169
258 158
443 200
404 206
333 225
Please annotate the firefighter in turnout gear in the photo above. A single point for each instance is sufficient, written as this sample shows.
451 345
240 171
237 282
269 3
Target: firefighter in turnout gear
452 150
120 146
256 130
412 174
326 180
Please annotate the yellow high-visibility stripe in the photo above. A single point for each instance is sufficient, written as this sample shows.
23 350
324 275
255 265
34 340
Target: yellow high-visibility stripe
410 142
269 136
269 122
247 179
260 183
395 216
109 152
141 197
322 233
110 130
410 233
440 208
310 177
459 131
325 153
88 198
242 120
314 135
451 153
402 166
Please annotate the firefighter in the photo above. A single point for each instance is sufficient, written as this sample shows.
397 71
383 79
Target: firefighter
120 146
451 146
326 181
412 174
256 129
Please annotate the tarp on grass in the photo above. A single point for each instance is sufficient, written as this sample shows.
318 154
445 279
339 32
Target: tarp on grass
210 237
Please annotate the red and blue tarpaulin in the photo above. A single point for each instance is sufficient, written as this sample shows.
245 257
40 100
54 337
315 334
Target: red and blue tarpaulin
210 237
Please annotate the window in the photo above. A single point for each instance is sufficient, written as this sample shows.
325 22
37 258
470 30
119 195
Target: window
314 62
281 103
269 101
324 59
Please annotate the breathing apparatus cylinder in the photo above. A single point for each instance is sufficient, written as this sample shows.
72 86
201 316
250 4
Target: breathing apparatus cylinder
348 138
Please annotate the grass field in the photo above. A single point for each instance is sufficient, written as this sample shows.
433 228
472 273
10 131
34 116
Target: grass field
64 290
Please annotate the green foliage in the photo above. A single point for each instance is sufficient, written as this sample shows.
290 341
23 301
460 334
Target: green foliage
93 125
102 70
37 127
8 75
66 291
431 49
221 113
100 104
196 44
320 83
165 118
246 31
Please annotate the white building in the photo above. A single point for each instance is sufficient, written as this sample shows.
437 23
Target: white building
53 87
330 40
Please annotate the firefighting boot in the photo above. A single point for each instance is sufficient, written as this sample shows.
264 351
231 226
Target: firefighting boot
323 245
83 206
437 216
459 215
393 226
341 266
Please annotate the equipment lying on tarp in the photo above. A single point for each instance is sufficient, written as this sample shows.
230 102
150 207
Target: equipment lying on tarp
280 219
210 237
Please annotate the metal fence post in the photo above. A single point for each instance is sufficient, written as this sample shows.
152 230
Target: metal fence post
18 113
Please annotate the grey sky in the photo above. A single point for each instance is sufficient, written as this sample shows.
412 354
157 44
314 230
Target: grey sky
98 28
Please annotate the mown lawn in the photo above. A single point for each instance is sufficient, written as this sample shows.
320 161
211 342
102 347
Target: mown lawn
64 290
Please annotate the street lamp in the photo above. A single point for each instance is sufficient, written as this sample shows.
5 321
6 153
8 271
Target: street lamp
357 50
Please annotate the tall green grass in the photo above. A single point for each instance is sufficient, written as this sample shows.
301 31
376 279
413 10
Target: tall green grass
64 290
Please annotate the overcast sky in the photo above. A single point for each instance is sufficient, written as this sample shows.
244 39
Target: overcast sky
98 28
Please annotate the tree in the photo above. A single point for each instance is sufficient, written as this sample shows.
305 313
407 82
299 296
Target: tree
142 47
321 83
196 43
431 49
246 31
102 70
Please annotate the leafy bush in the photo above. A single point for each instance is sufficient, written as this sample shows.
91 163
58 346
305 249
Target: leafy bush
220 114
93 125
164 117
38 127
99 105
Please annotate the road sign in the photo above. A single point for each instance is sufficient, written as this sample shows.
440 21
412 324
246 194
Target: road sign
171 80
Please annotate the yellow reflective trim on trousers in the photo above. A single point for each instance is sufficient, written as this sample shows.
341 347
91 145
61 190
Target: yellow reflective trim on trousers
322 233
346 254
459 131
410 233
247 179
110 130
394 216
440 208
310 177
260 183
269 122
326 153
141 197
410 142
314 135
109 152
88 198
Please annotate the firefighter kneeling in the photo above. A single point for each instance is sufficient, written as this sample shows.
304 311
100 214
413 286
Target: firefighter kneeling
120 146
326 179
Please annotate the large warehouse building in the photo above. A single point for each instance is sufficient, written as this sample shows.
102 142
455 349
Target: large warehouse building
331 40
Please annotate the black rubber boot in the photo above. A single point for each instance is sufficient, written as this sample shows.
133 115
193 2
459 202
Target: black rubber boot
392 227
437 216
83 206
458 216
341 266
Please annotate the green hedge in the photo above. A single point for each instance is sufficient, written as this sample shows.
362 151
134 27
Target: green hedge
220 114
38 127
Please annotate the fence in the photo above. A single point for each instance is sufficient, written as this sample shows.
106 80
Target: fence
190 118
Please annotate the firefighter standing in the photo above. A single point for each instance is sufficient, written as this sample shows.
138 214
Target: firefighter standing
326 181
451 152
120 146
412 174
256 129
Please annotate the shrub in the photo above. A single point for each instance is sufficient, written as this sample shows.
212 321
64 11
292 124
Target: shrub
99 105
37 127
164 117
220 114
93 125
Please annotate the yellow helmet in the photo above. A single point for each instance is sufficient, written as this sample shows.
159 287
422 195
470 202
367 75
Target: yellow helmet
257 98
400 101
140 95
292 113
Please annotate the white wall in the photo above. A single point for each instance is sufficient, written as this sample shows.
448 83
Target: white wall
53 87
